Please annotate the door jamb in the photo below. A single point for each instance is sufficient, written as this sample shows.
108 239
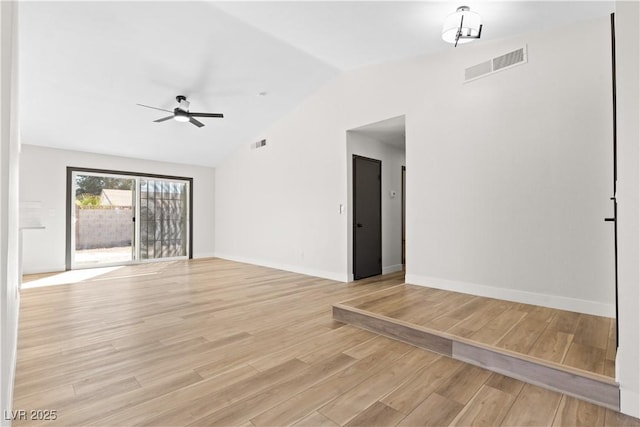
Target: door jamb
403 202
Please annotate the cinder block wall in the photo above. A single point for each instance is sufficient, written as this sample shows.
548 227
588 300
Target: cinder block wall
103 227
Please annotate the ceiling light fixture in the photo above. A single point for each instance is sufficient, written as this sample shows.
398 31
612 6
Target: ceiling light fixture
180 116
462 26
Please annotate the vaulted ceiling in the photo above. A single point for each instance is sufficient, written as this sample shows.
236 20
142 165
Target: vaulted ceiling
85 65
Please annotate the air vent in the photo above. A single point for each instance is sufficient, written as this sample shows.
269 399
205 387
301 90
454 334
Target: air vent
259 144
499 63
477 70
509 59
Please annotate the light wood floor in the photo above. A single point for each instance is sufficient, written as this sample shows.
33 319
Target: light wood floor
213 342
572 339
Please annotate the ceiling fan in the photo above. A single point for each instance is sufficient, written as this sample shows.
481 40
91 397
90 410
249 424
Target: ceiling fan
182 114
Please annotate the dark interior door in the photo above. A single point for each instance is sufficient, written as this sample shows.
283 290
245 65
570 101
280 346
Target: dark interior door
367 217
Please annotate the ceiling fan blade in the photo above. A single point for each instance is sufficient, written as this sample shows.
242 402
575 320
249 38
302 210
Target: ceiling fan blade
195 122
163 119
155 108
219 115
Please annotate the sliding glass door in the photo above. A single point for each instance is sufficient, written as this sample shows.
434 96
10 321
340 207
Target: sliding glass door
116 218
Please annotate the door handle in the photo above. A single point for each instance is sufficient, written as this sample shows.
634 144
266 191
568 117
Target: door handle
614 210
359 225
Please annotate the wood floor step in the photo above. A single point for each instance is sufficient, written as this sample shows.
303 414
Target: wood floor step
591 387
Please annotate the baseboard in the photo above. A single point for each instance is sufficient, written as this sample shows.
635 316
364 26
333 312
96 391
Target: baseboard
629 399
287 267
629 402
56 269
204 255
545 300
391 269
12 374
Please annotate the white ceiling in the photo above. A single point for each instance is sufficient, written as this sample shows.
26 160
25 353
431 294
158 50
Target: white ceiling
84 65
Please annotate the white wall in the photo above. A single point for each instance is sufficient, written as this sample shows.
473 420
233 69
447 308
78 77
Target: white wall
9 155
510 175
279 205
392 160
628 75
43 179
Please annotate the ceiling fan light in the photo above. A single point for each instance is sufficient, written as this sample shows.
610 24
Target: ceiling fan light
181 118
470 25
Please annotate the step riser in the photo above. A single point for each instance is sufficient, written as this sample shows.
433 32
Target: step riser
568 382
396 331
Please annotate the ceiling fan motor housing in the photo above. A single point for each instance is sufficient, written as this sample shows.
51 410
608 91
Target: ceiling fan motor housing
181 115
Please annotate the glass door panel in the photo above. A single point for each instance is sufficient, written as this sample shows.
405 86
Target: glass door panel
103 228
164 213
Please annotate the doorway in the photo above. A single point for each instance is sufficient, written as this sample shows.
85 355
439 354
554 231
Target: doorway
118 218
383 142
367 217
